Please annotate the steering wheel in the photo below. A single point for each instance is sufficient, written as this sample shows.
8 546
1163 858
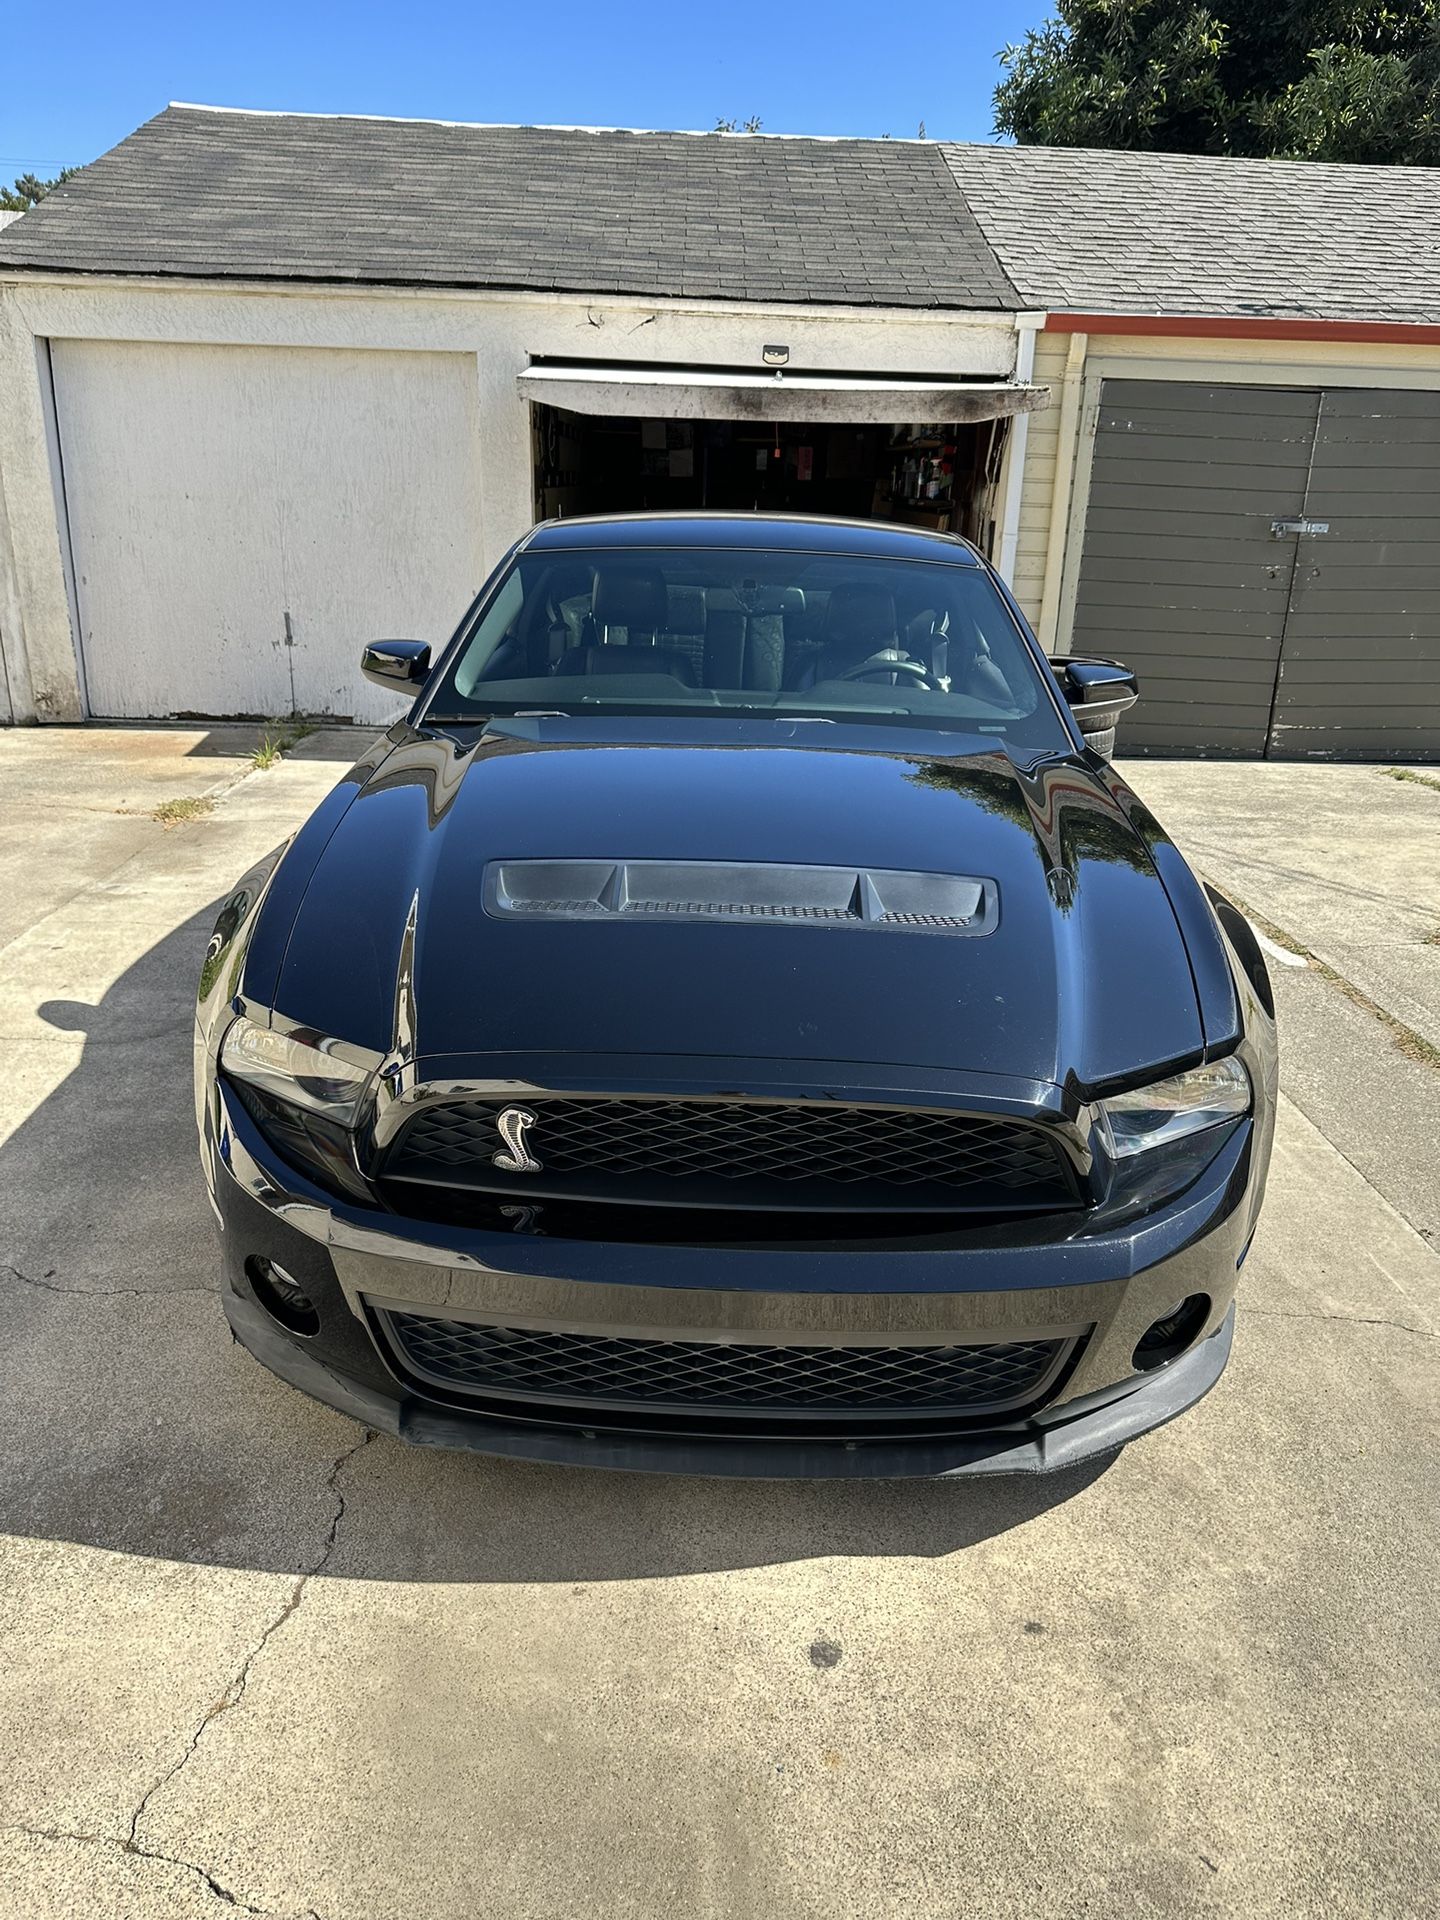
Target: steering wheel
876 664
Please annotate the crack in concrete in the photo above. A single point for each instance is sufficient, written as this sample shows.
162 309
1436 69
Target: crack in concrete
56 1835
1350 1319
235 1692
232 1696
102 1293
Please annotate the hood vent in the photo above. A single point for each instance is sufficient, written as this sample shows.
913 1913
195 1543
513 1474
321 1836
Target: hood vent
754 892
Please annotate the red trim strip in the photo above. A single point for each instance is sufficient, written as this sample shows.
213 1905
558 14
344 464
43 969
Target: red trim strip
1235 327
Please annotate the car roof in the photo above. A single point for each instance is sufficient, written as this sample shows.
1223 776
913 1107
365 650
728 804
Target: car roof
762 532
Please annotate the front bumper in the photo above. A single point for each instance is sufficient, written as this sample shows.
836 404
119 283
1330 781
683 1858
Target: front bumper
1065 1435
1104 1288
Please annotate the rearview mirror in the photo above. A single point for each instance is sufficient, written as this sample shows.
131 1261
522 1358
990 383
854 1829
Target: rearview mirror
1097 692
401 665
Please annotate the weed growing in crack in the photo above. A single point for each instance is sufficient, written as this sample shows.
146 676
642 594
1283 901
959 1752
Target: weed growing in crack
176 813
1413 778
273 746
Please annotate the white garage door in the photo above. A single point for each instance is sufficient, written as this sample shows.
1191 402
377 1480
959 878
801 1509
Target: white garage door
243 519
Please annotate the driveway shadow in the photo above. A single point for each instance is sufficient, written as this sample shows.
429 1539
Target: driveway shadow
130 1421
342 741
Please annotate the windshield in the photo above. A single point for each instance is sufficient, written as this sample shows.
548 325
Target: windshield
733 631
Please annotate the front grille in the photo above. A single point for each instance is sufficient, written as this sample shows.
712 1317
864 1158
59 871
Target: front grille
579 1370
737 1153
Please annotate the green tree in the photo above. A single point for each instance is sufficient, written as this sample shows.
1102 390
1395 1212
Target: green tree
28 189
752 125
1304 79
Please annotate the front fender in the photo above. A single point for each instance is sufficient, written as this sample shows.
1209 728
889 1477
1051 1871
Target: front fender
252 928
222 970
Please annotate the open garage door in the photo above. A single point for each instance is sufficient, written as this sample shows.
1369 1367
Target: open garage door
1265 558
923 451
243 519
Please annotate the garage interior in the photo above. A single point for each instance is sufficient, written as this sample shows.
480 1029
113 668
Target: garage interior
941 475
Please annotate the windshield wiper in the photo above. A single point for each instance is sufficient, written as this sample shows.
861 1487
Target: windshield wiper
486 719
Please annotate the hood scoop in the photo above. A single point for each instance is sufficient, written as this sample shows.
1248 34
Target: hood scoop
756 892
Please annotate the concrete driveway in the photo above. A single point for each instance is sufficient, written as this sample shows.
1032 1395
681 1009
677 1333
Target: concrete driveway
253 1659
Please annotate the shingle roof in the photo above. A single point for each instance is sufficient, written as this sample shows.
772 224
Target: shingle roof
1150 233
206 193
288 196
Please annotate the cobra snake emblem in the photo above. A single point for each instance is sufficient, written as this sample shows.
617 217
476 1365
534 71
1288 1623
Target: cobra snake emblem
515 1157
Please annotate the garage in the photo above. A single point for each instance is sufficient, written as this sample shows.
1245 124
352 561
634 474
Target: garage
1265 557
199 591
273 385
1236 488
245 426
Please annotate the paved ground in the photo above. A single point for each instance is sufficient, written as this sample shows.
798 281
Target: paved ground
250 1659
1344 862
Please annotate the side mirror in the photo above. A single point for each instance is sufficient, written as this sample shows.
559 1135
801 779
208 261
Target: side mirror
401 665
1097 692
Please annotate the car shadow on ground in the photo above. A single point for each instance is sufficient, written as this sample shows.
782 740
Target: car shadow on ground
130 1421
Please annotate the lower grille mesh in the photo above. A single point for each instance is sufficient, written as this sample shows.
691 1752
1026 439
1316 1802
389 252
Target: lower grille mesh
597 1370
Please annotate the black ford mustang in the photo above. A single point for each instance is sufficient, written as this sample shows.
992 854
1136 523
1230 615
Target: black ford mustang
737 1022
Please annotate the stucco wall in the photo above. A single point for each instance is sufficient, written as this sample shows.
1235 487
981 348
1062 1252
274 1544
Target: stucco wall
500 333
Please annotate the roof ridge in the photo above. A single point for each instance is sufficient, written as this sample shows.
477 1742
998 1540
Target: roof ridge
1146 157
548 126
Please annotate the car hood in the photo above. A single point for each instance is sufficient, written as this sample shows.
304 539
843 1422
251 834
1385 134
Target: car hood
1083 977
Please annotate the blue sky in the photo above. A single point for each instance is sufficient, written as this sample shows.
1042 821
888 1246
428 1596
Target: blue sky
848 66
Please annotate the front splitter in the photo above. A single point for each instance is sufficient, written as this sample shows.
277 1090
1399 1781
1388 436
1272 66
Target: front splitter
1067 1436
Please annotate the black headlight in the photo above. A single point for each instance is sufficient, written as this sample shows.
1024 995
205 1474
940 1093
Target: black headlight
1153 1119
305 1094
1160 1137
311 1144
302 1069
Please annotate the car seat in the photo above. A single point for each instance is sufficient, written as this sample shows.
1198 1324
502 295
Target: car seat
628 609
858 625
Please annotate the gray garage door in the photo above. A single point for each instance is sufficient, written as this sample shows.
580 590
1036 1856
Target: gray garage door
1316 638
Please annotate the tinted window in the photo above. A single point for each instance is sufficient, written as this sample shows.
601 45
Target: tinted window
733 631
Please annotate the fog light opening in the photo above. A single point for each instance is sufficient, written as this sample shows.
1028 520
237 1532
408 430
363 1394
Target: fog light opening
282 1296
1172 1333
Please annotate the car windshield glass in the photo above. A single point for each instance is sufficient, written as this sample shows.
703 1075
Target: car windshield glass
733 631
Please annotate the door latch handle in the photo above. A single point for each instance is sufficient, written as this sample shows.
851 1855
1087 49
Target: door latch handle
1279 529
